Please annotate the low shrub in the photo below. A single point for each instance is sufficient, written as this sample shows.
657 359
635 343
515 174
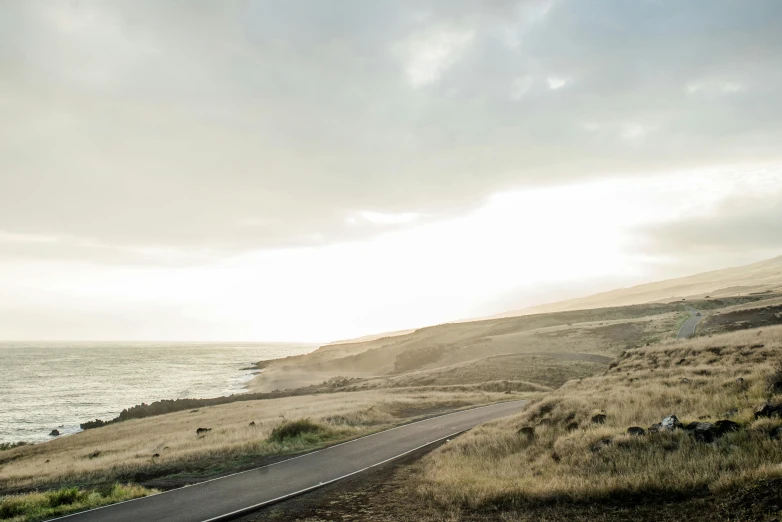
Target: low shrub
296 429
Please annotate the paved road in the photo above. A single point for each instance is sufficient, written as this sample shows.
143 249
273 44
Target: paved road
688 328
239 493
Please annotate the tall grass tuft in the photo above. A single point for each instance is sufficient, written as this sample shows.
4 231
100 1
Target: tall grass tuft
296 429
32 507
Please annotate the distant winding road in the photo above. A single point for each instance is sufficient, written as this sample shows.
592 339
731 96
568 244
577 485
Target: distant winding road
688 328
232 496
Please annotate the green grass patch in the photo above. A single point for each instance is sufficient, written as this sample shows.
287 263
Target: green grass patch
31 507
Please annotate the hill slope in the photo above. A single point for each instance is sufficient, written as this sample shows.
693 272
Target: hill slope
764 276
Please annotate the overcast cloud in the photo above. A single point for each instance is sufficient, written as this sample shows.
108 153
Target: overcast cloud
213 127
311 169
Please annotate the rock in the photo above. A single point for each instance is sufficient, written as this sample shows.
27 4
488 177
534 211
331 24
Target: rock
705 432
602 443
636 430
527 431
600 418
670 423
54 433
573 426
768 410
203 431
724 426
691 426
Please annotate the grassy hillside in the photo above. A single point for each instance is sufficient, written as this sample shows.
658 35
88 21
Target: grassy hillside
556 451
444 348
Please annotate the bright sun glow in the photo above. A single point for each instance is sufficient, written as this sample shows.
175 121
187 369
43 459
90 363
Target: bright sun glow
525 241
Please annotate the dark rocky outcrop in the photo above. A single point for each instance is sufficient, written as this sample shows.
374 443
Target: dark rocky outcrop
527 432
768 410
602 443
54 433
704 432
725 426
636 430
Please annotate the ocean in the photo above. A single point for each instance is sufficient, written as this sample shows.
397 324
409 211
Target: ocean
48 385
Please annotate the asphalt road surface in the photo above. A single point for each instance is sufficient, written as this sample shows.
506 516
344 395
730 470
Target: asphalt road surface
234 495
688 328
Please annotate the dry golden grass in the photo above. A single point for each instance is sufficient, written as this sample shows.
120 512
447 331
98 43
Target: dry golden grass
522 372
493 465
125 450
451 348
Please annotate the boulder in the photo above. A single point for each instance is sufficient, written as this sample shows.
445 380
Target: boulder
527 431
724 426
691 426
54 433
705 432
602 443
670 423
636 430
768 410
600 418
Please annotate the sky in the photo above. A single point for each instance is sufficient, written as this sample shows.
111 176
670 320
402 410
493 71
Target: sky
311 171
